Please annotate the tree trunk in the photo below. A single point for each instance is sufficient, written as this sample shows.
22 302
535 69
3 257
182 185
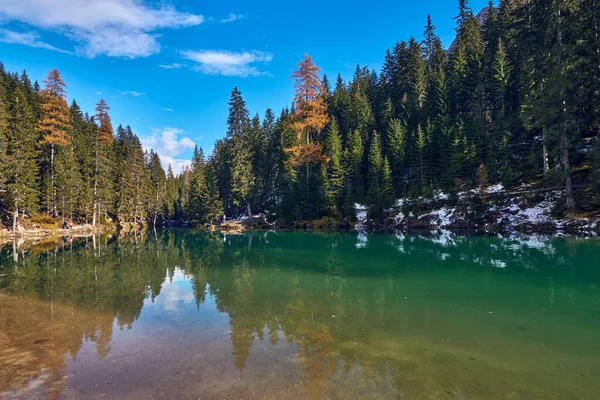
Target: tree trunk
249 210
155 209
564 140
564 145
15 217
544 153
307 172
95 190
52 188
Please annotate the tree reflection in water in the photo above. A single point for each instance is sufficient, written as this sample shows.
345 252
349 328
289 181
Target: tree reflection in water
402 315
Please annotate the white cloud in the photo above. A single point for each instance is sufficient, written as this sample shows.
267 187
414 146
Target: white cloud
169 143
171 66
218 62
99 93
120 28
231 18
133 93
28 39
112 42
178 165
166 109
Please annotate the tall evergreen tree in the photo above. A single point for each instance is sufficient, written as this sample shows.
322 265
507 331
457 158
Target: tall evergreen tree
20 156
242 176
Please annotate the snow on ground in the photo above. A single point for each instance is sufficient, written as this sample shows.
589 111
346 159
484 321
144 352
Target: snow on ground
361 216
444 216
513 211
539 212
439 195
495 188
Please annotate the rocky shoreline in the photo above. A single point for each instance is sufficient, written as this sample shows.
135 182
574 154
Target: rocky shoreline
490 210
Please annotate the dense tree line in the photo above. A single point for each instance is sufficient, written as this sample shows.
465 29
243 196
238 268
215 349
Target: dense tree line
57 160
515 99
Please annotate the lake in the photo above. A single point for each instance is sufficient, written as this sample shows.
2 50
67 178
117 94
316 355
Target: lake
195 315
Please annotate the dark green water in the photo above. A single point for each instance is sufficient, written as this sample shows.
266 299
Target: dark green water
290 315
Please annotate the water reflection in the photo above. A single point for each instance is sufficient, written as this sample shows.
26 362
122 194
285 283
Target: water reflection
301 315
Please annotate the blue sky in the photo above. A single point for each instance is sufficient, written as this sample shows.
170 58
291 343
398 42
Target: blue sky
167 68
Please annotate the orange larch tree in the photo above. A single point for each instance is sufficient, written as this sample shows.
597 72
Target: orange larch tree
105 133
310 114
54 122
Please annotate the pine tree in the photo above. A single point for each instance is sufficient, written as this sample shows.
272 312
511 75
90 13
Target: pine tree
198 189
387 185
20 174
242 176
335 173
159 181
83 153
213 204
417 84
396 139
375 178
3 127
272 159
421 156
104 138
258 147
353 165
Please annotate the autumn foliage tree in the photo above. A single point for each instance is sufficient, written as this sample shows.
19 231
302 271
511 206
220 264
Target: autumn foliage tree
54 123
310 114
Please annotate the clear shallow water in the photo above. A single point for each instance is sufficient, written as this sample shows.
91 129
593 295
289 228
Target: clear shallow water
293 315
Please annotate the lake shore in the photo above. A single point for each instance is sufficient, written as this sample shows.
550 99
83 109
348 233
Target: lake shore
35 235
493 210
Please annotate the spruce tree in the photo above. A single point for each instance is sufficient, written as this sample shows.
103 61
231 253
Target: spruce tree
102 190
158 180
242 176
396 139
335 173
375 193
198 189
20 156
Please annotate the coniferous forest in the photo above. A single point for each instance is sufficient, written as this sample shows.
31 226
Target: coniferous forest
515 99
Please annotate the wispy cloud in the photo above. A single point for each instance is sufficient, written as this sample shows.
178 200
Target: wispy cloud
120 28
220 62
231 18
169 143
99 93
171 66
133 93
30 39
166 109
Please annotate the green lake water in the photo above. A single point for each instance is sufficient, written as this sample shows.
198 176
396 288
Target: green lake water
194 315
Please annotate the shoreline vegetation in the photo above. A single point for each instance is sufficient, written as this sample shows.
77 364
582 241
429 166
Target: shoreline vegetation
497 133
490 210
